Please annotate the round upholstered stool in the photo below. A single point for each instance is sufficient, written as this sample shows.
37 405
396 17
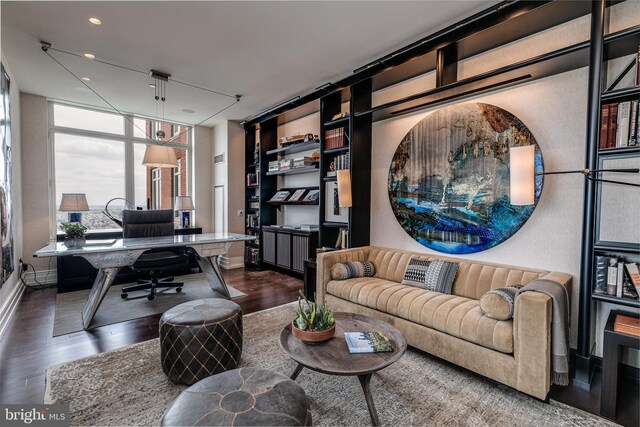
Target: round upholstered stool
242 397
200 338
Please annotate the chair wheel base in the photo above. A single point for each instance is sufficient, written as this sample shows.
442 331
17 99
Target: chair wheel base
124 296
178 290
150 297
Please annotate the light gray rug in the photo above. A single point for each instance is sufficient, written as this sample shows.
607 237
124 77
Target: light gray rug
114 309
127 387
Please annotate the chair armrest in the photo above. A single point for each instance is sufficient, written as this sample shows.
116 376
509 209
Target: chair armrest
326 260
532 343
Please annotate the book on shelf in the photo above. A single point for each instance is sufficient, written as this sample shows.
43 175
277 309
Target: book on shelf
627 325
334 138
634 275
297 195
274 166
309 227
254 205
620 125
280 196
612 276
368 342
600 276
619 279
343 239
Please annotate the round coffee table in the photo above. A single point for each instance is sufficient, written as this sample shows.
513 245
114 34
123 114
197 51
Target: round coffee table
332 357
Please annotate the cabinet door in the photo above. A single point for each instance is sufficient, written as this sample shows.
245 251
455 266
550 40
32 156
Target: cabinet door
269 247
283 247
300 252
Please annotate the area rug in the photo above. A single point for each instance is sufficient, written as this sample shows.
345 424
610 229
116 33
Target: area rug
127 387
114 309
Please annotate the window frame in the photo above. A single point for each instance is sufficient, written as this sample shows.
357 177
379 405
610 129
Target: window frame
127 139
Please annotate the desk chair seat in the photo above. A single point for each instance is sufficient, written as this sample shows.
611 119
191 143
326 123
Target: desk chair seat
155 262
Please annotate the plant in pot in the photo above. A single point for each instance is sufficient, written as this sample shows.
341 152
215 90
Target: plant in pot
74 234
313 324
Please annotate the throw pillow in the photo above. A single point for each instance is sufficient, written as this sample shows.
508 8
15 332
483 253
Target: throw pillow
347 270
415 272
440 276
498 304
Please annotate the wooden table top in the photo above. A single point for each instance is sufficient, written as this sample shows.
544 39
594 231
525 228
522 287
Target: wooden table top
333 357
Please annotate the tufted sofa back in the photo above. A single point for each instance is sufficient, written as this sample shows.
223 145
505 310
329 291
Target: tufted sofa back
473 280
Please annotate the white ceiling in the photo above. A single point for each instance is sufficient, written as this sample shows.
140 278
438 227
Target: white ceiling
265 51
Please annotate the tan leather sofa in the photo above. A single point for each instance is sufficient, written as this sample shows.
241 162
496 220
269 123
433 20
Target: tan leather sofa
514 352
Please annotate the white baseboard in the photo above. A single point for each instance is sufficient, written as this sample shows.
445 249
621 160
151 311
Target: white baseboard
46 277
231 262
7 310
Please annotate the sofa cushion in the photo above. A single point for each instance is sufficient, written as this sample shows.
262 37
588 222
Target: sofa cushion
457 316
499 303
347 270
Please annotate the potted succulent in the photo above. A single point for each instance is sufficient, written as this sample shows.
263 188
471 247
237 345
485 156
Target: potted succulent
313 324
74 234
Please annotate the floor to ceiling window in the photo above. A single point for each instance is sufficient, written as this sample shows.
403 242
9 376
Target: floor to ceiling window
100 154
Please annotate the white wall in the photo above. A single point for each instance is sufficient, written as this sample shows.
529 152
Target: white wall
203 178
11 290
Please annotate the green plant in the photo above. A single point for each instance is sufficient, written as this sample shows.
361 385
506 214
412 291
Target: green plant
311 318
73 230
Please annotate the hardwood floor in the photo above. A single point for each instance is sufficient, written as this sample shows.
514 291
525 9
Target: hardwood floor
28 348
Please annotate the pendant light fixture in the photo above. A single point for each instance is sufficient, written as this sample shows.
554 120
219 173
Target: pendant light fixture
159 155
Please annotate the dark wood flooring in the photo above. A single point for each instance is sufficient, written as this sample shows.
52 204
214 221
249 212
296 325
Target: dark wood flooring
28 348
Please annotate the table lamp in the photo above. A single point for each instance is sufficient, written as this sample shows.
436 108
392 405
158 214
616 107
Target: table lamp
74 203
184 204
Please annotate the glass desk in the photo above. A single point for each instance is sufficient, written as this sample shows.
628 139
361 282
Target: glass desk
110 256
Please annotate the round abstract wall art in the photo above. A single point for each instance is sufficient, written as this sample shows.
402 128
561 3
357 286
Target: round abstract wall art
449 178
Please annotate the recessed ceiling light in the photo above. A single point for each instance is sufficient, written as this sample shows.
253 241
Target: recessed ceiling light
95 21
89 56
188 110
86 79
152 86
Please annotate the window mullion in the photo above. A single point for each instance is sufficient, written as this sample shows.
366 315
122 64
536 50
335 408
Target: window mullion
129 183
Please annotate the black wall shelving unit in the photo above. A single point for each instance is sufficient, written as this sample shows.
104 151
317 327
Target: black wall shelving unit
496 26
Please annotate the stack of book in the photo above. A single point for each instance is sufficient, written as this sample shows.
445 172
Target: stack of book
252 256
274 166
334 138
611 274
302 162
341 162
619 125
343 239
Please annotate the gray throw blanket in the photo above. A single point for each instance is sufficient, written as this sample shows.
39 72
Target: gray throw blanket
559 326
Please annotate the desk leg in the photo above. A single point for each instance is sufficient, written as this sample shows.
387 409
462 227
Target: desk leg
98 291
209 266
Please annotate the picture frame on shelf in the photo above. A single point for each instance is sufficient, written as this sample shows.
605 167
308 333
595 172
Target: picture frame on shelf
297 195
280 196
312 196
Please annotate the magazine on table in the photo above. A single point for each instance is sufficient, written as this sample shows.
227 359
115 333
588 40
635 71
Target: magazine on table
368 342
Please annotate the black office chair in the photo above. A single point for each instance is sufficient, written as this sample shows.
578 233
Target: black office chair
156 262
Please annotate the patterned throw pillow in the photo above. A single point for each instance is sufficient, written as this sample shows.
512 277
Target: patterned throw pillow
347 270
435 276
440 276
498 304
415 272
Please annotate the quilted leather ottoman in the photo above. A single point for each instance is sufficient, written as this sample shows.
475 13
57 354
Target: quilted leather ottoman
241 397
200 338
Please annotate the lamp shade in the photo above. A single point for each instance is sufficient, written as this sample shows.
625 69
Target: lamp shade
73 202
522 175
184 203
344 188
158 156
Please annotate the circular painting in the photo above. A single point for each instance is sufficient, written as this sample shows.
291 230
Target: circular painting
449 178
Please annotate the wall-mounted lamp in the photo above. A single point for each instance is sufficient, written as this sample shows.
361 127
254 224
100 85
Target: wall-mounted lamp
184 205
74 203
344 188
522 175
